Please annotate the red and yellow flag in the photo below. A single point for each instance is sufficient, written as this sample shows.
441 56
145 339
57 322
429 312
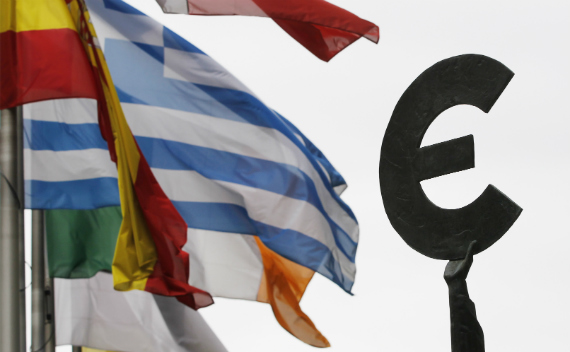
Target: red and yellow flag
41 56
149 253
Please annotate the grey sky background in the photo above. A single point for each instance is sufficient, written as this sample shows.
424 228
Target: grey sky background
521 284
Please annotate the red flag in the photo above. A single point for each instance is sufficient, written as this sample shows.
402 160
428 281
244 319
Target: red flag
41 55
148 255
323 28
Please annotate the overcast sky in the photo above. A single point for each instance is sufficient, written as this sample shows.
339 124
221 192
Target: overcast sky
521 284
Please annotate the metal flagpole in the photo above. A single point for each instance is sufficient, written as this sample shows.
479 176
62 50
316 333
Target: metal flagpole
49 326
39 316
21 226
48 296
9 233
43 327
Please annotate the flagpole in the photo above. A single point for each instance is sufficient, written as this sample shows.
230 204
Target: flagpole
39 316
9 235
43 308
21 225
48 289
49 326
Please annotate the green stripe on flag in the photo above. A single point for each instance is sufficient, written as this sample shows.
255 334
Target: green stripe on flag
81 242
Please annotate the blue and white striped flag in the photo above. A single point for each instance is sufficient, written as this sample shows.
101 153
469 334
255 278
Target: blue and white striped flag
232 166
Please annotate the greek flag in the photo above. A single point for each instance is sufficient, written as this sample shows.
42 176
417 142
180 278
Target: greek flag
230 164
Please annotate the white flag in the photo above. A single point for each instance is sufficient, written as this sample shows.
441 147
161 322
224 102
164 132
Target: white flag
89 312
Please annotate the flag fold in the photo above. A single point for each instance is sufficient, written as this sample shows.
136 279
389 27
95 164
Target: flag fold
32 34
321 27
261 203
90 313
149 253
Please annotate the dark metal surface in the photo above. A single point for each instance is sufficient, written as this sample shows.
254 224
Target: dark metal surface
433 231
466 332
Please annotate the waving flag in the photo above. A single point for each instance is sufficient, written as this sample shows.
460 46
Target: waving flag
323 28
232 167
149 253
82 242
89 312
32 34
48 50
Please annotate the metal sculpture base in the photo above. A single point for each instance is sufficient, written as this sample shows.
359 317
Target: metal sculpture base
466 332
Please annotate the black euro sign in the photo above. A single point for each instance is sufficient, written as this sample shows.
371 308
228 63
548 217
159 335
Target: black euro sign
433 231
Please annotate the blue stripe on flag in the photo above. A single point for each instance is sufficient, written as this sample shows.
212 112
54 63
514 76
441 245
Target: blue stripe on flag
174 41
336 177
144 82
163 154
122 7
291 244
300 248
225 166
79 194
57 136
230 167
138 72
214 164
147 85
155 52
222 217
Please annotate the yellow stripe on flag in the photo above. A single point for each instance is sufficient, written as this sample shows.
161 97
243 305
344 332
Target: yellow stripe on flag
136 256
149 254
29 15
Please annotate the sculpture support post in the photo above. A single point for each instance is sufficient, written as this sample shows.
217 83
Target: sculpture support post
9 235
466 332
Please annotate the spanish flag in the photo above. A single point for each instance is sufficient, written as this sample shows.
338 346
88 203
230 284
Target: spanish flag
49 50
149 254
41 55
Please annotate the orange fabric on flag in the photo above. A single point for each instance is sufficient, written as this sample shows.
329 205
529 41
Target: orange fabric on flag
149 254
282 286
41 56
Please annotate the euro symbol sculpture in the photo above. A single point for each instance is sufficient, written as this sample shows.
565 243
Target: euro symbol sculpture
449 234
433 231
